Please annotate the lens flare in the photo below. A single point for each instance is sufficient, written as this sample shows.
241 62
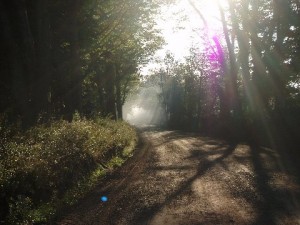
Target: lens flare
104 198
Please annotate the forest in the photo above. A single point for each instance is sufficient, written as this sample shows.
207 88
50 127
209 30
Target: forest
59 57
68 67
244 82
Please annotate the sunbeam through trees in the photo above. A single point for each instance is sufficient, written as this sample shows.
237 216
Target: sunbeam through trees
82 80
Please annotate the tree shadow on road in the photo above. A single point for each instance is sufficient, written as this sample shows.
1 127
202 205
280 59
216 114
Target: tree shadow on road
204 165
274 203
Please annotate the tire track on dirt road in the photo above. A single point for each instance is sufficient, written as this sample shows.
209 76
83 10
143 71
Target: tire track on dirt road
87 211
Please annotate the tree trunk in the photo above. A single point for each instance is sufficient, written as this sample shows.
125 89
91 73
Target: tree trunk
119 102
231 72
73 95
43 41
278 74
110 89
21 58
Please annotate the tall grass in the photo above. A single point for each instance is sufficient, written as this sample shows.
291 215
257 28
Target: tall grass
52 165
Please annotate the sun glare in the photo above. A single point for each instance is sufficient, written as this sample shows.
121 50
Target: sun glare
209 10
182 27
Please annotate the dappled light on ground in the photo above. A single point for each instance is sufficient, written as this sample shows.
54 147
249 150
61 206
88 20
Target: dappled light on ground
184 178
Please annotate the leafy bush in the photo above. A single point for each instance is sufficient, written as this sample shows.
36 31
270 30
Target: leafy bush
42 165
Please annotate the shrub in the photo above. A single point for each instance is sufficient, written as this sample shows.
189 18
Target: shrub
42 165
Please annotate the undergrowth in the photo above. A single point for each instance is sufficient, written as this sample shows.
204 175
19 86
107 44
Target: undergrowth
50 166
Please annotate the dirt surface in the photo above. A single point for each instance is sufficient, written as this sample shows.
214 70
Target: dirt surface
181 178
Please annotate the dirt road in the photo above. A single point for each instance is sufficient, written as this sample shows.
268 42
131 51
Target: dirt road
181 178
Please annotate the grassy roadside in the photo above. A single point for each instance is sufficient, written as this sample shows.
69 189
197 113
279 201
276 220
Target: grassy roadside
51 166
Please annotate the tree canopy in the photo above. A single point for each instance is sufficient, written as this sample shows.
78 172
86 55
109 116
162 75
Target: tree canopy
59 57
245 83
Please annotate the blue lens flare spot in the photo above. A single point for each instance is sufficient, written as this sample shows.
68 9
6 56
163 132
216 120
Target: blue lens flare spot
104 199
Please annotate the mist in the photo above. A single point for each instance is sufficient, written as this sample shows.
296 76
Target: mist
144 108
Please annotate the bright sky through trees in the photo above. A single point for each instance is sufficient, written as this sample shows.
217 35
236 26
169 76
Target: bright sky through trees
182 27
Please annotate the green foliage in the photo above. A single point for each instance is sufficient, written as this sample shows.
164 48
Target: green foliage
81 55
243 83
189 90
125 39
49 165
